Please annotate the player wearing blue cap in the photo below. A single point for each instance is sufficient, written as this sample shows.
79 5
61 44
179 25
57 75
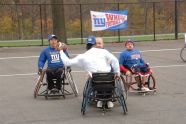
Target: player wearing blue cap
55 64
94 60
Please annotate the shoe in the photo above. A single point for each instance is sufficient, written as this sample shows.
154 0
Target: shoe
99 104
110 104
138 89
145 89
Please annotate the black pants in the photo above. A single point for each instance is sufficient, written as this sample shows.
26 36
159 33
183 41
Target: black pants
54 74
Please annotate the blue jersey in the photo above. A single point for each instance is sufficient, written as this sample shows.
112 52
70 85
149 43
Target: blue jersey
128 58
52 56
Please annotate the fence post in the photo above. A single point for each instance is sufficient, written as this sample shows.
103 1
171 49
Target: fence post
81 23
154 23
118 29
176 20
41 23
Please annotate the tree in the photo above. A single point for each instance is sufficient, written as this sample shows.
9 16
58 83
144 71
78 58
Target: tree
58 19
20 19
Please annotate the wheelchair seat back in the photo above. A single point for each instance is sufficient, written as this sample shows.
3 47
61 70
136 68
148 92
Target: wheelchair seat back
103 81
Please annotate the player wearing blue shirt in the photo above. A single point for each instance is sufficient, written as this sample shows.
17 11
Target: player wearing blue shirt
55 65
131 61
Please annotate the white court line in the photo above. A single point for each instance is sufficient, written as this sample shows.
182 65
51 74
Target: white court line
30 74
168 66
160 50
25 57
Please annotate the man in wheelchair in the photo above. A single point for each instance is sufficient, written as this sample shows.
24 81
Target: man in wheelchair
94 60
131 62
55 66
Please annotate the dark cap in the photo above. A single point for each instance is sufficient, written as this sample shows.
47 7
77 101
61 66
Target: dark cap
52 36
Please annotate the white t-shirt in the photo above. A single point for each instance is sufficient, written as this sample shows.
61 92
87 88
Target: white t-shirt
93 60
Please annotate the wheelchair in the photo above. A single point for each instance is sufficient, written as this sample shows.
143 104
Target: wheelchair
131 85
42 87
103 85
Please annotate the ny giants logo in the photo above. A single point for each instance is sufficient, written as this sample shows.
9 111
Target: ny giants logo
109 21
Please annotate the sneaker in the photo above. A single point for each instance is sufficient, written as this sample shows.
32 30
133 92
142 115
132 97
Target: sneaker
99 104
145 89
110 104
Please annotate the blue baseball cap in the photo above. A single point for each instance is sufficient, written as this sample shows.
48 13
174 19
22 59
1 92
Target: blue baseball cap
91 40
51 36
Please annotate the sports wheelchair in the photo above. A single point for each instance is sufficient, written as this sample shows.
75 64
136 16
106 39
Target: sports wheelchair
103 85
42 89
131 85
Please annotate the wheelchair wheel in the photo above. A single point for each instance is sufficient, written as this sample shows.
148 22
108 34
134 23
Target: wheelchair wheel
86 96
38 84
37 87
183 53
72 83
120 95
124 87
151 82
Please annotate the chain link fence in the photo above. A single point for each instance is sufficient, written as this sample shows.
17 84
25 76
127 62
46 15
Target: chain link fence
30 24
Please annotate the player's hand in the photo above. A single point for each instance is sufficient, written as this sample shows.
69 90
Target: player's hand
39 71
128 73
69 69
61 46
117 76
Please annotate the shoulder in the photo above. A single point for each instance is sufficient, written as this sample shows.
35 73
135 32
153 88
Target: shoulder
46 49
124 52
135 50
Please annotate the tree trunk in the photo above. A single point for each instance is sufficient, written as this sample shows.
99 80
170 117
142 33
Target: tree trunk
58 17
20 19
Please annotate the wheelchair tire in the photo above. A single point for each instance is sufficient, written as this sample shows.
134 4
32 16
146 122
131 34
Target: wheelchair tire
151 82
39 83
183 54
125 87
38 86
120 96
86 96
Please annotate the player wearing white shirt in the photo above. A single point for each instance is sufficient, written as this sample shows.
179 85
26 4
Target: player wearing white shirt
94 59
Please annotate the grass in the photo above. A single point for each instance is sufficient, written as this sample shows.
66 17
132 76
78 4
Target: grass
19 43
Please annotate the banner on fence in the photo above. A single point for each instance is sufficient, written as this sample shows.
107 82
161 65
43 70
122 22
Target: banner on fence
109 20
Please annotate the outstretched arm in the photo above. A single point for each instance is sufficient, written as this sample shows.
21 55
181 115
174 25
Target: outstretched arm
68 62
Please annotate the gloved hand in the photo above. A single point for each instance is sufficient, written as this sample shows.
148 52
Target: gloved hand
39 71
69 69
128 73
135 68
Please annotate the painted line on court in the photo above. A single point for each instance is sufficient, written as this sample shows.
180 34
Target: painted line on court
160 50
26 57
30 74
168 66
23 57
